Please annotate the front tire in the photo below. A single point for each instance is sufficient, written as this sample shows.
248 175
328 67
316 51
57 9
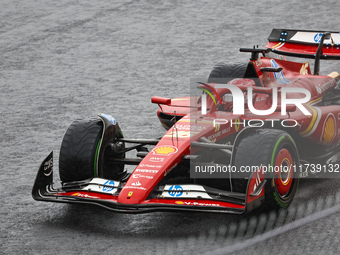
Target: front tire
87 153
79 148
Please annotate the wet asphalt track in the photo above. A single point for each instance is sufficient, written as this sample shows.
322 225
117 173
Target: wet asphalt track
64 60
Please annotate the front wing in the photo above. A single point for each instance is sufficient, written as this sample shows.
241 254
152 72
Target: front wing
104 193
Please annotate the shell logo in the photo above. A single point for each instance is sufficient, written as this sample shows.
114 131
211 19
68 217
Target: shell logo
164 150
75 194
237 124
179 202
329 130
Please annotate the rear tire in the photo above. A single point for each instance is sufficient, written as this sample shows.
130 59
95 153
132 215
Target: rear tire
224 72
269 147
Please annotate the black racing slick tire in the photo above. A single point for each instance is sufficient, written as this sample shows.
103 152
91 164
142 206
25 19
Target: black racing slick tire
78 152
224 72
276 150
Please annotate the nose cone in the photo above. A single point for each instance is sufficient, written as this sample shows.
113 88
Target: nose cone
137 188
150 171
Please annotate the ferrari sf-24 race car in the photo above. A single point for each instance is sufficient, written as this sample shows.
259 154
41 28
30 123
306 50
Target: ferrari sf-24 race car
270 113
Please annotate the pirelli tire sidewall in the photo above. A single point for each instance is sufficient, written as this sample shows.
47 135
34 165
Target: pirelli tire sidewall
281 188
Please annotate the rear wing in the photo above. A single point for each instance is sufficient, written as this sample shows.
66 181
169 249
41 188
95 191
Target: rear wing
306 44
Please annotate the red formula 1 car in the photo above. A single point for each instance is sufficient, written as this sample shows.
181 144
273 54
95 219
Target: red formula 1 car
245 141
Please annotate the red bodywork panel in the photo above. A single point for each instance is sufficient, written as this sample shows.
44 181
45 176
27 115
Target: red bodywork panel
296 75
298 48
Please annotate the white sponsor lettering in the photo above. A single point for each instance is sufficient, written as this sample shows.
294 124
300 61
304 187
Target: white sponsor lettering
135 176
136 184
134 187
321 88
150 166
146 171
156 159
180 133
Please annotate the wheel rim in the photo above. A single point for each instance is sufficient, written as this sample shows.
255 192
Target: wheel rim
284 172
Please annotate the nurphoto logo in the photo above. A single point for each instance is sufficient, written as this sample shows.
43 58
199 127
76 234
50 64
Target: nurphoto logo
239 100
